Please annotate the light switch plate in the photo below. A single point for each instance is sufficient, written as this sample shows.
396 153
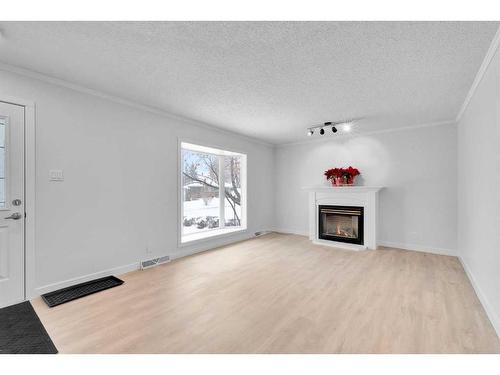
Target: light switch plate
56 175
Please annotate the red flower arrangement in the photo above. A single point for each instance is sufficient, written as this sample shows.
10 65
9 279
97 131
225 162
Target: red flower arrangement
342 176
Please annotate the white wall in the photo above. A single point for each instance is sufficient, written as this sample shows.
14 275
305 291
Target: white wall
417 168
478 190
120 190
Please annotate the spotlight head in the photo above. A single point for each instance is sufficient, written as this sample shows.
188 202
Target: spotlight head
328 123
334 129
310 132
322 131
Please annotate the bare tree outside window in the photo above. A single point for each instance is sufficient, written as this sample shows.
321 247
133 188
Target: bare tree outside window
232 189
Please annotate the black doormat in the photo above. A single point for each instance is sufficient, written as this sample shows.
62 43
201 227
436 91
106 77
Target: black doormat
80 290
22 332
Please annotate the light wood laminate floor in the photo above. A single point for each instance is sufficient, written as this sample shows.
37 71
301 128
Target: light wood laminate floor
281 294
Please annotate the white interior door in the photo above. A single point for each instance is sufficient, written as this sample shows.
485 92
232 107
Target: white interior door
12 215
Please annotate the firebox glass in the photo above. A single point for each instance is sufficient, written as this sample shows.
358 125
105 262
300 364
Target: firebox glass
341 225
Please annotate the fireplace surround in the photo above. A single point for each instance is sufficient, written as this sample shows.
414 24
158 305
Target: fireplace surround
357 225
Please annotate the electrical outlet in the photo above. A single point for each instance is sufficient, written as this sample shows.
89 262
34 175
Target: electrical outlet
56 175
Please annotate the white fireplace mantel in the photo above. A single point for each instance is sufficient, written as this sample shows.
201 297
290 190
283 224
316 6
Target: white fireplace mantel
361 196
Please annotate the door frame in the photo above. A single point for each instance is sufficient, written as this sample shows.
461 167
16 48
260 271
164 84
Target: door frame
29 191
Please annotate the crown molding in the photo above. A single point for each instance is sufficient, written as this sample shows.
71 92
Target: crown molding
364 134
123 101
480 74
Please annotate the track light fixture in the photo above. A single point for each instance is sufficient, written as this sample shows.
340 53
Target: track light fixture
343 126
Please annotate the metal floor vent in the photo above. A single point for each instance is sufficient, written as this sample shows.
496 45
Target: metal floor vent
80 290
145 264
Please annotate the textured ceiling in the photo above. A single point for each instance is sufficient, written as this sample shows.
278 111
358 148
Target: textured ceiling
268 80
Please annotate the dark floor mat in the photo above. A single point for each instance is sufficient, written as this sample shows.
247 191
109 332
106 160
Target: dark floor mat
22 332
80 290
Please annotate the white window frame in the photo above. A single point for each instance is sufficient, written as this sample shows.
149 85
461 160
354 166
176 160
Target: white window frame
189 239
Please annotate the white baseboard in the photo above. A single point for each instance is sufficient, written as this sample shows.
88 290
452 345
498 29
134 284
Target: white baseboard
292 231
492 315
210 246
63 284
135 266
404 246
425 249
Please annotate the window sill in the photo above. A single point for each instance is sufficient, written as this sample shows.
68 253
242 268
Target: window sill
190 239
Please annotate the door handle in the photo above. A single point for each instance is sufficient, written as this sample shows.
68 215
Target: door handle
14 216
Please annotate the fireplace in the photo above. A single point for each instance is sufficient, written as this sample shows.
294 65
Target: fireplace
360 202
341 223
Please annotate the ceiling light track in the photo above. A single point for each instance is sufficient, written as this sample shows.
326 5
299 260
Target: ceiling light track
345 127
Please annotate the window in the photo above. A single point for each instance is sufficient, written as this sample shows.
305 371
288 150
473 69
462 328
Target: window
213 192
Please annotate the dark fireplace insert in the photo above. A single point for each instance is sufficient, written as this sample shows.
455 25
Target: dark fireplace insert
341 223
